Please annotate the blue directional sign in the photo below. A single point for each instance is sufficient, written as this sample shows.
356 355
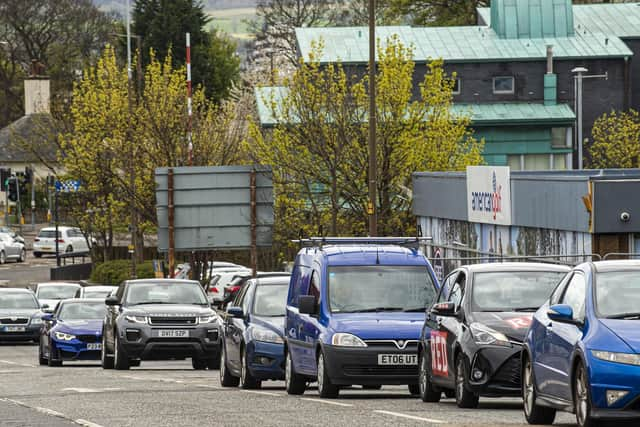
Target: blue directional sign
68 186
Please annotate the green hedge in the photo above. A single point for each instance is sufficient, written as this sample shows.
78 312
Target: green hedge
114 272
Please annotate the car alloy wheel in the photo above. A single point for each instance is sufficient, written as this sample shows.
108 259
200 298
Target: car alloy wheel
427 392
3 257
23 256
226 379
325 388
247 381
107 362
464 397
120 359
582 399
533 413
294 384
527 389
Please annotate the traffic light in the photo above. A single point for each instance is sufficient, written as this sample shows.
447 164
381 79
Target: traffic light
12 188
4 176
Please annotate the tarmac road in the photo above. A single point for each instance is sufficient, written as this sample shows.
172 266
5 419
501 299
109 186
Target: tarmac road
173 394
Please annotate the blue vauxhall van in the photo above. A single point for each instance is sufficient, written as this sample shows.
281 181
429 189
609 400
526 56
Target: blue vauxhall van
355 311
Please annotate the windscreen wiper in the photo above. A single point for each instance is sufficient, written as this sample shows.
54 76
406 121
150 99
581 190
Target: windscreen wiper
625 316
377 309
532 309
152 302
414 309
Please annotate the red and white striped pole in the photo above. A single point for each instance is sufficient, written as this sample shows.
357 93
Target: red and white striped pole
189 109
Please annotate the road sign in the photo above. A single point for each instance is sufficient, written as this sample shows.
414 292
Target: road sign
68 186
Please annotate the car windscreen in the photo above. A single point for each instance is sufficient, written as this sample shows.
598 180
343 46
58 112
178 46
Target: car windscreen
165 293
93 293
379 288
618 294
82 311
270 300
9 300
49 234
513 290
57 292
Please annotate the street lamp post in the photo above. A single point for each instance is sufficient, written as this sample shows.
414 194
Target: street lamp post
371 208
579 76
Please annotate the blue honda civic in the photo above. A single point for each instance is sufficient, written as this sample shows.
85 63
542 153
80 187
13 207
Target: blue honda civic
582 350
72 332
253 345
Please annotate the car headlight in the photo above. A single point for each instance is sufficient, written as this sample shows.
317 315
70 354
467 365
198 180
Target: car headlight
36 321
64 337
136 319
484 335
625 358
208 319
265 335
347 340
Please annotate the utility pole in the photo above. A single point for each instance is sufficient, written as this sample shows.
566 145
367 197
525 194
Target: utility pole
132 173
371 208
189 101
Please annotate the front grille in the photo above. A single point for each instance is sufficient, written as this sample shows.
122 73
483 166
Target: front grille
88 338
172 320
509 372
364 370
14 321
380 345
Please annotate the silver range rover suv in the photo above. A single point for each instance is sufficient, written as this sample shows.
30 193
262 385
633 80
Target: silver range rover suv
160 319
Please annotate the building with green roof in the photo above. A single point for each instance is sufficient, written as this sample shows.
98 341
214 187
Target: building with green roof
521 107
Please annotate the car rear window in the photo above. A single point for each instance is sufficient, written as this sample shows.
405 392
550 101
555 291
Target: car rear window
48 234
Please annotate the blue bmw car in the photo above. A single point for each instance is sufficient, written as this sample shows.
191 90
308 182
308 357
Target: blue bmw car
253 346
582 350
72 332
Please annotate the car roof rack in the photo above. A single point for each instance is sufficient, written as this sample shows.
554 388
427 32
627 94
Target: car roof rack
399 241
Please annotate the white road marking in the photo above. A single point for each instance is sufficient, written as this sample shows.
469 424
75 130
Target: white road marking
266 393
328 402
48 411
213 387
9 362
90 390
86 423
410 417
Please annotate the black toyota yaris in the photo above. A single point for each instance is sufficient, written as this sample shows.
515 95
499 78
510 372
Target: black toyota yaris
471 342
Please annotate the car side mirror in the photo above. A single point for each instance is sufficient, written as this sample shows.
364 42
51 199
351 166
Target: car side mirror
47 317
562 313
445 309
112 300
235 312
307 304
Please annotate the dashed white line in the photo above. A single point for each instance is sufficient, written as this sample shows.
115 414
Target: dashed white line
51 412
91 390
410 417
328 402
9 362
266 393
86 423
48 411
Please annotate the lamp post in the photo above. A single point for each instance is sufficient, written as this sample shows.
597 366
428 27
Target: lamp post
579 76
371 208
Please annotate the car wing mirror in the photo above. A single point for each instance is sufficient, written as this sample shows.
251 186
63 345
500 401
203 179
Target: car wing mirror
47 317
562 313
307 304
445 309
235 312
112 300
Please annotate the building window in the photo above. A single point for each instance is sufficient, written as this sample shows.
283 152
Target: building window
457 87
536 162
514 162
560 138
503 85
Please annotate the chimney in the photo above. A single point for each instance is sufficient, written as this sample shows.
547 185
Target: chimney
36 90
550 80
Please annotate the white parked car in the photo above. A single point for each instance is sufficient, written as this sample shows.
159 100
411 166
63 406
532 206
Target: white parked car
220 279
70 240
11 249
50 293
100 292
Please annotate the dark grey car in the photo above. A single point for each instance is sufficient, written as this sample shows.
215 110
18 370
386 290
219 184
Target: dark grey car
160 319
20 315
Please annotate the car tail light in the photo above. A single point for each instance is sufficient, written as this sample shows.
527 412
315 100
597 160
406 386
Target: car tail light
213 290
60 240
234 289
36 240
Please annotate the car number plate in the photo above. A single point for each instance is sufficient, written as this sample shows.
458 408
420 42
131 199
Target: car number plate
46 248
15 328
173 333
397 359
94 346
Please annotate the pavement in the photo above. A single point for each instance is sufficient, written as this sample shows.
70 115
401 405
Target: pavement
173 394
33 270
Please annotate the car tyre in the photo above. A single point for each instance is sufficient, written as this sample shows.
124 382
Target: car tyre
52 361
105 359
198 364
69 249
428 392
294 383
582 398
226 379
23 256
326 389
464 397
534 414
37 254
247 381
134 363
120 359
